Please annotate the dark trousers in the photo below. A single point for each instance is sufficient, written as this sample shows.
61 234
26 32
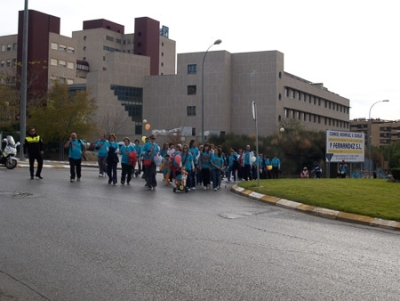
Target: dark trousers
275 172
39 159
126 172
216 178
247 172
205 175
150 175
112 172
75 167
102 161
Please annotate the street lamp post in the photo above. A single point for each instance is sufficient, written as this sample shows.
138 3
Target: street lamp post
217 42
369 136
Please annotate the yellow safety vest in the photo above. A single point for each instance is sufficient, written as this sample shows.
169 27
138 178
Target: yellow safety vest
35 139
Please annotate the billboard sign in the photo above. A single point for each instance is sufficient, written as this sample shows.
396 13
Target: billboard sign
347 146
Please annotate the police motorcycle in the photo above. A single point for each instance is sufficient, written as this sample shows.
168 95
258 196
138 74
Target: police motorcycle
8 156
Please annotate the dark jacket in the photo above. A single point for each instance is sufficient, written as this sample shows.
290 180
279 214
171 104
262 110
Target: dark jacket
33 144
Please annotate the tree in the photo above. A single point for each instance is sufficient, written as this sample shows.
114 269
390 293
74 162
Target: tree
64 113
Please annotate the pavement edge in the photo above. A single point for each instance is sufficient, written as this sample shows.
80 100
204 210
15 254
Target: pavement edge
323 212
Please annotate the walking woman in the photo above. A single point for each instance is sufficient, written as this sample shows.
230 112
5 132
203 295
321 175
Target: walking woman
112 159
126 149
204 164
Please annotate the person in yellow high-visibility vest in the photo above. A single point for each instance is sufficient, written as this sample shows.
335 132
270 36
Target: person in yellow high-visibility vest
33 149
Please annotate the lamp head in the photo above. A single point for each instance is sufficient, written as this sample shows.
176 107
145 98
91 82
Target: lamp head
217 42
385 100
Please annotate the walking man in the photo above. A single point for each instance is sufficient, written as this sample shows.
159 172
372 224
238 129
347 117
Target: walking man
76 147
33 149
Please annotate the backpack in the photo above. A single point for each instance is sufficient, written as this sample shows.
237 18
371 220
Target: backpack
132 158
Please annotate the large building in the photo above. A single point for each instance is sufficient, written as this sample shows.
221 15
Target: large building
383 132
132 77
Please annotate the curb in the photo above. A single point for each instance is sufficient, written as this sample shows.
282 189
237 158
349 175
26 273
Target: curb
322 212
54 164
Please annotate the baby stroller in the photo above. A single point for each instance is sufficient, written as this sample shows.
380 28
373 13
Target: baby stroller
180 181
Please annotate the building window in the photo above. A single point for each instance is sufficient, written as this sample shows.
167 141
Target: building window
192 69
8 63
3 47
62 63
108 38
118 41
54 46
2 64
14 62
191 90
71 50
84 48
15 46
63 48
9 47
53 62
286 92
84 38
61 80
293 94
70 65
191 111
280 97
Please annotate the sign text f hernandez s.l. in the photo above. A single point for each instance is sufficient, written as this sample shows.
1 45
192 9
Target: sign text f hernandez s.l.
348 146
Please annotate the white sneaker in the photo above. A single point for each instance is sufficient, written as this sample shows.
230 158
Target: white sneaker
205 187
215 189
193 188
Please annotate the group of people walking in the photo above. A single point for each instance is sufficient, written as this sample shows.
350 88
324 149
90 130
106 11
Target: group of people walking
205 165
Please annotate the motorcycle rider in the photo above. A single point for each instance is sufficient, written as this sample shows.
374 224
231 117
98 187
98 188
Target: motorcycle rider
33 148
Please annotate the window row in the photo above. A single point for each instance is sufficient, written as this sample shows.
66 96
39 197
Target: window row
62 80
63 48
62 63
303 116
8 80
9 47
8 63
301 96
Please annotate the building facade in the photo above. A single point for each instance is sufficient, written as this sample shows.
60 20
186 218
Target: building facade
383 132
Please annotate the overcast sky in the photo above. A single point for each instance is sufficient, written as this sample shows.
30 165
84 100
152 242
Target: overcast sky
351 46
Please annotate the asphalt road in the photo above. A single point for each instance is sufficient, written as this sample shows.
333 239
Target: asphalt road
92 241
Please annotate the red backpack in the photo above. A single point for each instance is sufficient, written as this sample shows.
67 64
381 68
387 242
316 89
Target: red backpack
132 158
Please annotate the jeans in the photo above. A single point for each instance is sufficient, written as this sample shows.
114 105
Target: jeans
32 158
102 162
216 178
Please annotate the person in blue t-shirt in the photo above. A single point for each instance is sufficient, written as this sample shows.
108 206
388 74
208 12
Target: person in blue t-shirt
276 167
76 148
204 163
217 165
150 150
138 149
101 147
112 159
126 167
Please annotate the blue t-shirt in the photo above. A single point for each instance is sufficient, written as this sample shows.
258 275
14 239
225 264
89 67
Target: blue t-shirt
217 162
75 149
125 150
275 162
138 149
195 152
187 160
150 150
101 147
247 157
205 158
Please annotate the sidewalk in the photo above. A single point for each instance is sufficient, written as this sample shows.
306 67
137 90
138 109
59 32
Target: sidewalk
326 213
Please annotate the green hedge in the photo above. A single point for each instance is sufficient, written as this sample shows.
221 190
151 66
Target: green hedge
395 173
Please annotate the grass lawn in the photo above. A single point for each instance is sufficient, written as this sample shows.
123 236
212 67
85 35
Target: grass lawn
371 197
